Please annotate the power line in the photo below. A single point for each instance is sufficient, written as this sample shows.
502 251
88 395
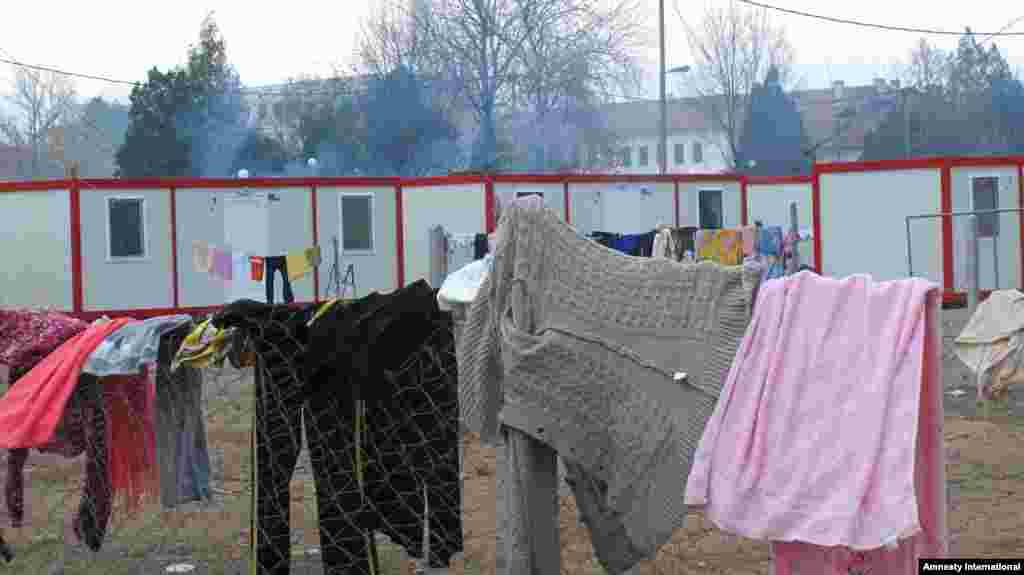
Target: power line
874 25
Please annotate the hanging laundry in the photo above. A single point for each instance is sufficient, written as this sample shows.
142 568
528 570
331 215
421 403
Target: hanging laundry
783 456
32 407
211 259
201 261
387 378
27 336
129 404
183 457
730 243
795 558
256 264
992 343
481 247
131 348
222 264
205 346
461 286
272 265
664 246
584 361
749 235
239 266
302 262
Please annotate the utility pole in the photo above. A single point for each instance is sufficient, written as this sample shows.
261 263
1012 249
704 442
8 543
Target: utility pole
663 151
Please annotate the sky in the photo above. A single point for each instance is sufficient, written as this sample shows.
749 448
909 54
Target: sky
122 40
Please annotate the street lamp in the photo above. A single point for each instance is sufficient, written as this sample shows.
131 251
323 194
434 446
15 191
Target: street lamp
663 148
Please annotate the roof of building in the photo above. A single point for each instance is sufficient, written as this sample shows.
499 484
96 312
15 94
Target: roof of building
859 110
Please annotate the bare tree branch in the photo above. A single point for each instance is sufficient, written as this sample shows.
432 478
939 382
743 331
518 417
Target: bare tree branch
732 49
42 101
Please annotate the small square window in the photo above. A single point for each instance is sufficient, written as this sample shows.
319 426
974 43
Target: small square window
357 223
680 153
711 216
126 228
698 153
627 157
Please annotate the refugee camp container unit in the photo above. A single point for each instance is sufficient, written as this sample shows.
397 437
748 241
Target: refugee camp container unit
552 189
995 187
711 201
126 248
35 224
200 216
768 201
363 216
459 204
621 204
863 210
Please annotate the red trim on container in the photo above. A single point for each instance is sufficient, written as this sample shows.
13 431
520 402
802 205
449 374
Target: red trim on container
675 201
174 248
145 313
205 183
529 178
441 181
399 236
743 201
568 204
489 223
769 180
1020 219
77 295
316 242
946 206
816 217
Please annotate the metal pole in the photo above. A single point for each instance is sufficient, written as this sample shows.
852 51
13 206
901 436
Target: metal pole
663 153
910 250
794 228
972 262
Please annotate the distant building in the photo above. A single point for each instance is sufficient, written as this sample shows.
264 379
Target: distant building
15 162
835 121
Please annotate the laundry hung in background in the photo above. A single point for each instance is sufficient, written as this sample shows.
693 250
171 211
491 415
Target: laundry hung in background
785 458
584 333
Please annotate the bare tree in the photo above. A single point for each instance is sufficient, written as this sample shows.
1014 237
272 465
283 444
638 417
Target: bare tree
42 101
732 48
497 55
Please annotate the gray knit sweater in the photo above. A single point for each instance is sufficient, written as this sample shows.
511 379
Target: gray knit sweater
578 345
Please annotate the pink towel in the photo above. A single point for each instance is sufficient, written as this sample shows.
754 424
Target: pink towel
930 483
814 435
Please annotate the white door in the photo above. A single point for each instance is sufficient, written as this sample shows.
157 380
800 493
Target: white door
985 196
246 229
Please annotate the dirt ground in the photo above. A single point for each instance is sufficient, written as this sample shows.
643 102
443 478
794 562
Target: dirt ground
985 473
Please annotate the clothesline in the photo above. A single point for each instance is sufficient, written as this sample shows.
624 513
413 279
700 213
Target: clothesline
227 265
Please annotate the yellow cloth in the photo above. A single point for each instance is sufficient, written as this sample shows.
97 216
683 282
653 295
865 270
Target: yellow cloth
730 245
324 308
709 247
205 346
301 262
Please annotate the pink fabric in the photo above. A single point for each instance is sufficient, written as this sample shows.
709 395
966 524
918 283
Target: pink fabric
813 436
930 484
749 240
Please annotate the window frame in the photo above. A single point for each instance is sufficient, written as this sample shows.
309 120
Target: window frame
698 152
679 153
995 218
721 204
643 156
144 228
373 223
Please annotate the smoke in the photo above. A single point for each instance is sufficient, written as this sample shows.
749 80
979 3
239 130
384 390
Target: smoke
215 130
